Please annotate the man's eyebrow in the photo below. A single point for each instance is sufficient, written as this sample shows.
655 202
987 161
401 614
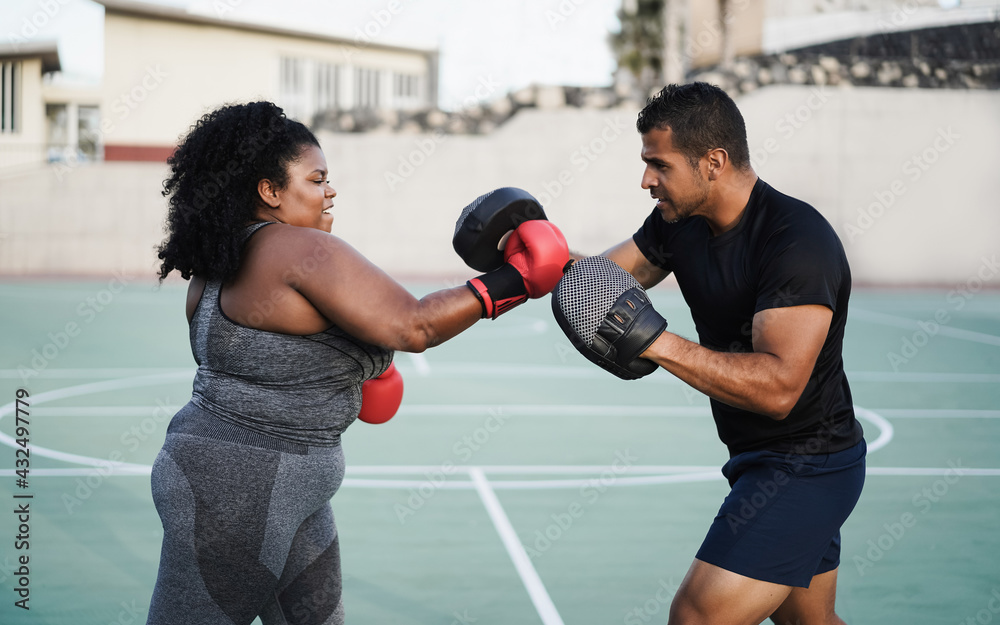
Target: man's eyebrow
654 161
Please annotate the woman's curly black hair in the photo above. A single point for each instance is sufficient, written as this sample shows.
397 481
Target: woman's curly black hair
212 188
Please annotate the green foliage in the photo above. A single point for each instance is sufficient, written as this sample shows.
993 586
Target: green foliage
639 43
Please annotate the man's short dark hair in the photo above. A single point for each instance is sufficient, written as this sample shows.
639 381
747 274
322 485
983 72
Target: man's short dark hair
702 118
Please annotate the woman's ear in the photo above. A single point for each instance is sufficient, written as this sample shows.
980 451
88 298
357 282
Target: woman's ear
268 193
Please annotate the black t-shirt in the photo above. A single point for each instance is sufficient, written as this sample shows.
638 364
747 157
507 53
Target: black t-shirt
781 253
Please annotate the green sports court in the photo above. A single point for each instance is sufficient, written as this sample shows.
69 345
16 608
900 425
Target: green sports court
519 483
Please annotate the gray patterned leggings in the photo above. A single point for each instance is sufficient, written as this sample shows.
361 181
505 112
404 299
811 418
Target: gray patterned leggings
247 527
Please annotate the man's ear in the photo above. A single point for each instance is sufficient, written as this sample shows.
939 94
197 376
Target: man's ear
718 160
268 193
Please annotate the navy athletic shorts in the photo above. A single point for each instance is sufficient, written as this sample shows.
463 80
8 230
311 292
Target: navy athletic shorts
781 521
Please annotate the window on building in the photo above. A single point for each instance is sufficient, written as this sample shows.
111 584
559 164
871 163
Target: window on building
366 88
57 145
407 91
291 76
57 126
292 87
406 86
10 77
89 124
327 93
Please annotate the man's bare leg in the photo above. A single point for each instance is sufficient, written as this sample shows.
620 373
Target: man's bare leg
713 595
811 606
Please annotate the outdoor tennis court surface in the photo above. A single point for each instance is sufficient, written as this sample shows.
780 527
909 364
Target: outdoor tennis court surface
519 483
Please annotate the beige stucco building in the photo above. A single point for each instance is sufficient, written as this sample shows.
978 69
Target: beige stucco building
164 67
22 111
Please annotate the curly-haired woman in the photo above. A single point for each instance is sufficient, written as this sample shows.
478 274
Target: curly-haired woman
286 323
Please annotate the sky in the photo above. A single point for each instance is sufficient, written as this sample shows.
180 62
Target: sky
512 43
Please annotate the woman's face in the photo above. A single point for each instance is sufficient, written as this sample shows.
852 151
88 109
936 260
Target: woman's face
306 198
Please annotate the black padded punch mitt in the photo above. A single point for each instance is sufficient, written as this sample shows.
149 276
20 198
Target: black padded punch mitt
607 316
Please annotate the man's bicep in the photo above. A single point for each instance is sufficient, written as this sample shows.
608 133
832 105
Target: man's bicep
795 335
628 256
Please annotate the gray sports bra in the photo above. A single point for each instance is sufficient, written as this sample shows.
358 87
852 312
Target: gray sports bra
305 389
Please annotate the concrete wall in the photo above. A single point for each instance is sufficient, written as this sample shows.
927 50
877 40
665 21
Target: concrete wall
906 177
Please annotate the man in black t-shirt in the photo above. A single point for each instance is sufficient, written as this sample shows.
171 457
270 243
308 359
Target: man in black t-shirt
768 284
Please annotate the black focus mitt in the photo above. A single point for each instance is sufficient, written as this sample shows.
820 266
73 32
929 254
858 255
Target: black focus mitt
482 228
607 316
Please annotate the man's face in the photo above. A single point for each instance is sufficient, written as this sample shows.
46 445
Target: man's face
679 189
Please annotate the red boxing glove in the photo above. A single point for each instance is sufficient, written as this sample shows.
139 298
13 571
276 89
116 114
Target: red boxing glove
539 252
381 396
536 255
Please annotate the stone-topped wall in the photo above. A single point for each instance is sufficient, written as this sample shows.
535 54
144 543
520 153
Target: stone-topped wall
965 56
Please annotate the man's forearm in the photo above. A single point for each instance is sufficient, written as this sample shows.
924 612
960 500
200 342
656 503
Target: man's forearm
751 381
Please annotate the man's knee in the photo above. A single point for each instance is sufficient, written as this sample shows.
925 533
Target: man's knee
684 610
789 617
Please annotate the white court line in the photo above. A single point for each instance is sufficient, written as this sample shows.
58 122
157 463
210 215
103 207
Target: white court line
500 370
910 413
913 324
923 378
886 431
905 471
107 471
102 411
534 410
525 469
883 439
84 374
687 474
690 475
87 389
536 590
425 410
644 480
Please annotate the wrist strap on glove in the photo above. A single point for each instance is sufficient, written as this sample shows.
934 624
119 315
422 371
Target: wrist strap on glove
499 290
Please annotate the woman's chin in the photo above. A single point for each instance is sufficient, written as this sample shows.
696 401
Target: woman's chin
326 222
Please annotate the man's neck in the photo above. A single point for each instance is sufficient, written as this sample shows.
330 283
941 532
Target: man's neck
732 196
